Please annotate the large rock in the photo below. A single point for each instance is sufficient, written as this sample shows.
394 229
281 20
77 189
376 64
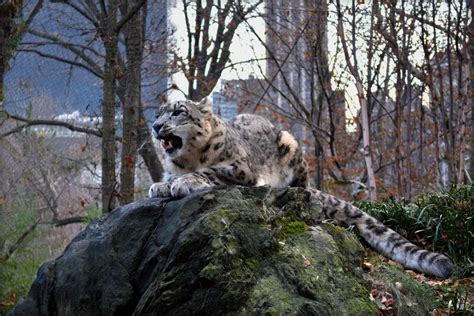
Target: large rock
229 250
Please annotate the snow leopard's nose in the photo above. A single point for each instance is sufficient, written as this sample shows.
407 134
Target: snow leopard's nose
156 127
162 130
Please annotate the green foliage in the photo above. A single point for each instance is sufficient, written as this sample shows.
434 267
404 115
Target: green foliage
92 213
455 299
442 221
16 275
14 223
18 272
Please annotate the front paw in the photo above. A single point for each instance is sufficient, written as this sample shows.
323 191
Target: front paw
159 189
186 185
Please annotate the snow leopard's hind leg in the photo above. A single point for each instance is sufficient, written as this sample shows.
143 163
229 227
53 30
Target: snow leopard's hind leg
291 156
384 239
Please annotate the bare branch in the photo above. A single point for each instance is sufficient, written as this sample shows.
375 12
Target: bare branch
63 60
129 15
300 108
58 41
69 220
74 49
32 14
90 18
425 21
29 122
19 241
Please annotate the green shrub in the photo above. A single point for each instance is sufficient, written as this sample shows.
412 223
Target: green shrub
442 221
19 270
92 213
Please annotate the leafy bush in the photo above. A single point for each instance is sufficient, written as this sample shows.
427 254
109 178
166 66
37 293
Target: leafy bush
442 221
18 271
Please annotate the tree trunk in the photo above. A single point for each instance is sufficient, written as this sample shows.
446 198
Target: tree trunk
471 93
318 170
133 42
144 142
108 111
147 149
6 19
362 101
322 80
145 145
366 141
2 56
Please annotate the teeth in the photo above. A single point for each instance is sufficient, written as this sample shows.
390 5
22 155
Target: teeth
166 144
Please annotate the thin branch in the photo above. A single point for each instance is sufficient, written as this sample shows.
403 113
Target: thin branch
300 108
32 14
69 220
62 60
103 7
46 43
129 15
29 122
74 48
80 11
425 21
19 241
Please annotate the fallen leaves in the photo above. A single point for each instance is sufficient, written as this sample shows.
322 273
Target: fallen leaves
383 299
452 296
366 265
9 302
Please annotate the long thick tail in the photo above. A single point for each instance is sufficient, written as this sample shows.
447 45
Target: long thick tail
383 239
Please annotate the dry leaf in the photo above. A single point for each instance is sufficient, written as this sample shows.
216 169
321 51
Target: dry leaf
367 265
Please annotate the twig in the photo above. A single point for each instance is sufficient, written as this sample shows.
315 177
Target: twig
69 220
129 15
20 240
29 122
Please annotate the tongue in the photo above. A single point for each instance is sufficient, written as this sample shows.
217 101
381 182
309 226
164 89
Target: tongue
166 144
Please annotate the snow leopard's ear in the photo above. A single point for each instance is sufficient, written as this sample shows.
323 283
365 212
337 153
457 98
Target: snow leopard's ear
205 105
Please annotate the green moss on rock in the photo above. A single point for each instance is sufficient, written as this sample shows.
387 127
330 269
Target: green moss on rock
410 297
218 252
289 228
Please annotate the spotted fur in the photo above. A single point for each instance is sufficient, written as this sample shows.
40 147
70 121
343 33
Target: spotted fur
203 151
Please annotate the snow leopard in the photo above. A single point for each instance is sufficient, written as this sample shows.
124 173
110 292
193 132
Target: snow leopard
201 150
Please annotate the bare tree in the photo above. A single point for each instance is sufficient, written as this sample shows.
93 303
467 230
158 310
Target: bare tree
299 87
471 88
208 54
353 69
108 31
11 32
108 22
49 185
134 32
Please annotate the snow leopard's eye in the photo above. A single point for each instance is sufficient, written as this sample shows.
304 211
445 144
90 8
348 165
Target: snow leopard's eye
177 112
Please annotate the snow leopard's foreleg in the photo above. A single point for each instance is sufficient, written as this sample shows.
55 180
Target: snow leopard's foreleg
236 172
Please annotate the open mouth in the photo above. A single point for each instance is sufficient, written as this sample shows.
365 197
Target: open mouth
171 143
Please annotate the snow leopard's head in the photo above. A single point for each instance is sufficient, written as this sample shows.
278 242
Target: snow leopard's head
183 127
